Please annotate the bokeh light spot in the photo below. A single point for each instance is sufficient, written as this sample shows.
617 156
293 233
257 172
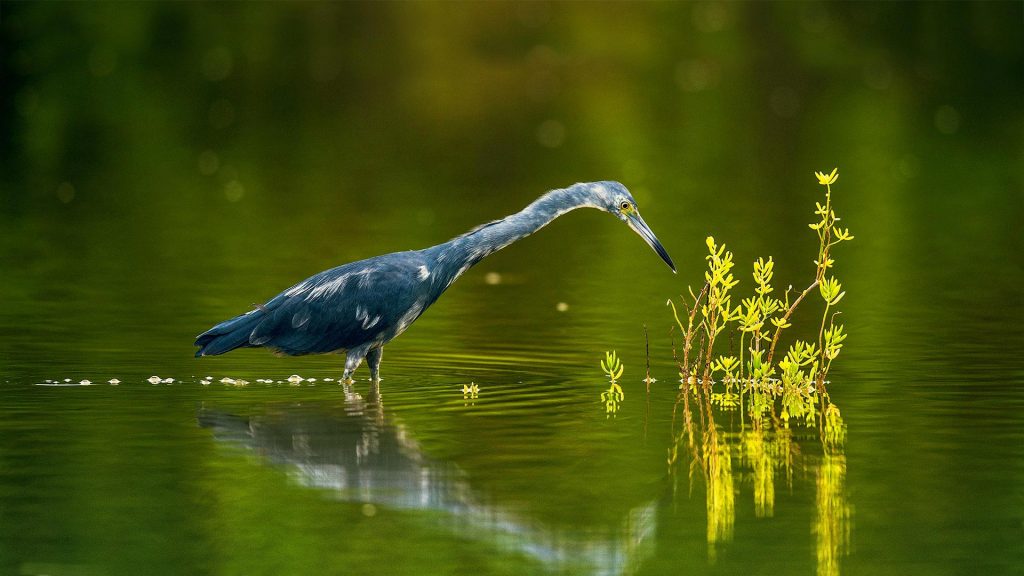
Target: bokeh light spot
65 192
217 64
209 163
695 75
551 134
234 191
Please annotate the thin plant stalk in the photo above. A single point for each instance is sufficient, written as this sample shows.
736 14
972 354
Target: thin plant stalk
785 317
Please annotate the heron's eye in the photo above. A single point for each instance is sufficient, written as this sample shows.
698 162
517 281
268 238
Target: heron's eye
625 206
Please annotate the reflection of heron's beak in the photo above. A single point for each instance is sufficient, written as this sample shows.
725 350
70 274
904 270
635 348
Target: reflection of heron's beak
640 227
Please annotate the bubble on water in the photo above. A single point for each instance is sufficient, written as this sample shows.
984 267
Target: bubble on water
113 381
204 382
85 383
226 380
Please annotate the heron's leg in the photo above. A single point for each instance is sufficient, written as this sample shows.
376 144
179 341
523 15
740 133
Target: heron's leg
352 361
373 356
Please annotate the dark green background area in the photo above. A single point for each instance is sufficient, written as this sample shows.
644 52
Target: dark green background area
166 165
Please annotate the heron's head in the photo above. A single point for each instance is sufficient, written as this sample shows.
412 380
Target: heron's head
613 198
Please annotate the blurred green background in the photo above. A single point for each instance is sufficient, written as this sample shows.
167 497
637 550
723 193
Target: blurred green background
167 164
176 150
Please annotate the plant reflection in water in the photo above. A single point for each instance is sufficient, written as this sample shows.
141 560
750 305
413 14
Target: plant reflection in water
758 453
360 454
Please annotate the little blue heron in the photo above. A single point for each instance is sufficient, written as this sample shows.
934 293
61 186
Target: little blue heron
359 307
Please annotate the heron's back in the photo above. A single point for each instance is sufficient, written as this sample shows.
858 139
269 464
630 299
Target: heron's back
362 303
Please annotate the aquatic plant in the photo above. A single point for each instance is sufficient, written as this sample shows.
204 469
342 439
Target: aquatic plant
753 373
648 379
728 367
612 366
470 390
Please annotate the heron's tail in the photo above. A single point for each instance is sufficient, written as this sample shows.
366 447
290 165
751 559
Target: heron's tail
229 334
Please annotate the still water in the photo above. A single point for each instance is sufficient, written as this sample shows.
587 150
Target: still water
157 183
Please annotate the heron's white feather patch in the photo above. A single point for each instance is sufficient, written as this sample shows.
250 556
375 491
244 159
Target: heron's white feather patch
408 318
297 289
423 273
326 289
258 340
300 319
365 277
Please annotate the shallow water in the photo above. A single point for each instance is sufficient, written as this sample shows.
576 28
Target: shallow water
180 214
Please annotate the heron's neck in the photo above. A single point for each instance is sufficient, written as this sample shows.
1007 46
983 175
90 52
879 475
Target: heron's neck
460 253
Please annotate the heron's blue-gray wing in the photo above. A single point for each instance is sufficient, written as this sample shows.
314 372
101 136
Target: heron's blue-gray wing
341 308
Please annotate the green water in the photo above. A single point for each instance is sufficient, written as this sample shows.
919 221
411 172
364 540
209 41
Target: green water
167 165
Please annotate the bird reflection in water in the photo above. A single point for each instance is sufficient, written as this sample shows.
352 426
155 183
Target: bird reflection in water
361 455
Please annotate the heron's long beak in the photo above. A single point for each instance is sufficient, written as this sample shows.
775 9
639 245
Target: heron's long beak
640 227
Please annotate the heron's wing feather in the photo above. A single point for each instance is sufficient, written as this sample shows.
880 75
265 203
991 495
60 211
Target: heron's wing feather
342 308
